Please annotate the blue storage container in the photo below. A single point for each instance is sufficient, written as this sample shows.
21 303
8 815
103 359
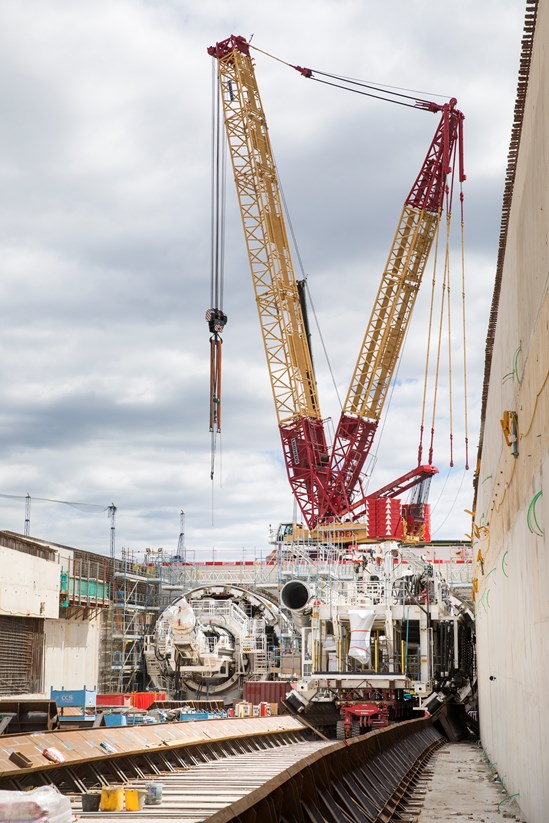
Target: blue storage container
115 720
185 717
83 699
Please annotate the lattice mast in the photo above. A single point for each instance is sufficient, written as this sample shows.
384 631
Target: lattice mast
392 310
283 329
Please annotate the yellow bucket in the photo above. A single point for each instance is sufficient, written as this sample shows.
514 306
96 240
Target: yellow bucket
135 799
112 799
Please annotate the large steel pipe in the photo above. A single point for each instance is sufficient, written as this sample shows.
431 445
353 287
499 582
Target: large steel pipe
295 595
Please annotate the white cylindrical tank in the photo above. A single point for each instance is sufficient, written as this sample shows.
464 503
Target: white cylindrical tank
180 616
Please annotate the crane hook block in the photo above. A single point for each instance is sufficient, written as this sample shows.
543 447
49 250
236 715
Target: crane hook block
216 320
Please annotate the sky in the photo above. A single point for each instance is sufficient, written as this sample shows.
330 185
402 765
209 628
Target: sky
105 172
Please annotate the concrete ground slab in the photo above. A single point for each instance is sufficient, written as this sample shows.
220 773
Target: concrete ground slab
462 788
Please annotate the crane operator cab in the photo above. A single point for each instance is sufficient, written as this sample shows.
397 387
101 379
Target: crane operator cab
285 531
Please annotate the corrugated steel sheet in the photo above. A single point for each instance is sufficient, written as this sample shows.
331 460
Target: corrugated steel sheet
265 691
21 654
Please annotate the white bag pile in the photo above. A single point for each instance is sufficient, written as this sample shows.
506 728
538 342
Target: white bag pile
43 805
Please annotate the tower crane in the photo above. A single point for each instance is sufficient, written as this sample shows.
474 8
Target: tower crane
328 484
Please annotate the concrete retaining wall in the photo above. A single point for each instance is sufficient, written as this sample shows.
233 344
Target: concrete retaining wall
512 506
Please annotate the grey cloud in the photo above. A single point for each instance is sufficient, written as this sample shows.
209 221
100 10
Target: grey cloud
104 241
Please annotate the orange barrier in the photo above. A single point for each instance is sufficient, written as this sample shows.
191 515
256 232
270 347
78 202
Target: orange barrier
144 700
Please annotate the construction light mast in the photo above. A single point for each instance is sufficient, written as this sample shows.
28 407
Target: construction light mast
181 548
112 516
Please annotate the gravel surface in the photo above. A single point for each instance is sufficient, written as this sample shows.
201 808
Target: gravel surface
463 787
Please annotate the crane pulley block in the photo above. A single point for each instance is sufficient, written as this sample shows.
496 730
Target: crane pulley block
216 320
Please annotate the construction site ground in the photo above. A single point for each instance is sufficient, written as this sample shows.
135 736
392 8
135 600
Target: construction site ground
461 785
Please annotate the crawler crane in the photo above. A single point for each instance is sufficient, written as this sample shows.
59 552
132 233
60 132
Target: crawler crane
328 484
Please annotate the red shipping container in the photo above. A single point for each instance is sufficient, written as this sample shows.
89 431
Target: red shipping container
115 699
265 691
143 700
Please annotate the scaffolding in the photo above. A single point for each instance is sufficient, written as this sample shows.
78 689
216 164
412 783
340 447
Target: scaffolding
84 586
133 611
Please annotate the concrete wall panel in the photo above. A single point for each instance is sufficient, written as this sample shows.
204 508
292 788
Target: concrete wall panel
512 506
29 585
71 653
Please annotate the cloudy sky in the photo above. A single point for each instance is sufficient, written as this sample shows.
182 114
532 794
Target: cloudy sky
105 140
